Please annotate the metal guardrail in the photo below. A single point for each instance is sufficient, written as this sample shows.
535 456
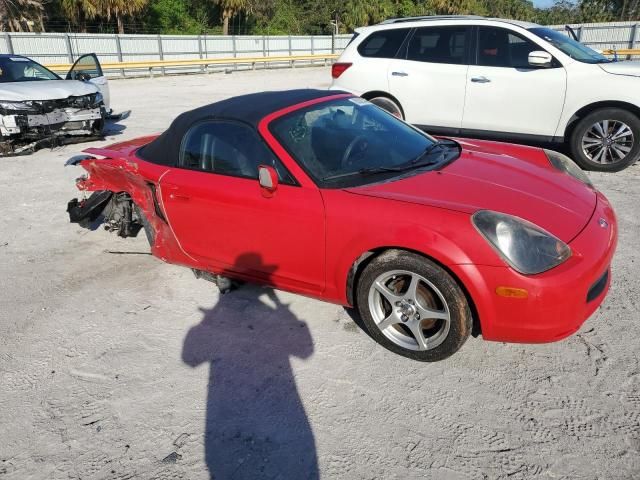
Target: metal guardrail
622 52
202 62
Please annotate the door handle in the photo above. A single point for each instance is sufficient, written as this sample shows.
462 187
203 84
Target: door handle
480 80
400 74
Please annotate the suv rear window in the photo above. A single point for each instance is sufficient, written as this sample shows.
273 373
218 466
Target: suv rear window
383 43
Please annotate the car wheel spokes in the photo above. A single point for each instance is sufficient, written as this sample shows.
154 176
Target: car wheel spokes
409 310
607 141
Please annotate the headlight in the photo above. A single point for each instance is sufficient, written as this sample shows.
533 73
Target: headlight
566 165
526 247
98 100
23 107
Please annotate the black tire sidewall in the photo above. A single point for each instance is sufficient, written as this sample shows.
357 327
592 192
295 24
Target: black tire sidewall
461 318
605 114
391 103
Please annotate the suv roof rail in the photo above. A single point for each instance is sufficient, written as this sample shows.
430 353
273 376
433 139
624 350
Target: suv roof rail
430 17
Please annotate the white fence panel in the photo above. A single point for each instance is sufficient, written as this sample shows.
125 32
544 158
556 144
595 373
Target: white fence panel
50 48
604 36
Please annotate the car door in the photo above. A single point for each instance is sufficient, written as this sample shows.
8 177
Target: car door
369 72
429 78
506 94
223 219
87 68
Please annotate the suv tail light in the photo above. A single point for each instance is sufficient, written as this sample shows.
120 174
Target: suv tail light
338 69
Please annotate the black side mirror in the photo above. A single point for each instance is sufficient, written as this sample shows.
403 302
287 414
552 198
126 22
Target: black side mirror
82 76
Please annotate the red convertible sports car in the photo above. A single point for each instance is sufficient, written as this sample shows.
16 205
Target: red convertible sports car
327 195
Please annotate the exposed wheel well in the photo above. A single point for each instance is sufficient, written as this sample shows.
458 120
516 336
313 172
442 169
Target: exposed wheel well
586 110
363 260
379 93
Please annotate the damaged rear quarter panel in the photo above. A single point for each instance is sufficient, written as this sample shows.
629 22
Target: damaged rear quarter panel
137 178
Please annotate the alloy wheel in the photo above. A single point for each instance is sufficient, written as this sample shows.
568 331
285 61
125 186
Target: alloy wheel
607 141
409 310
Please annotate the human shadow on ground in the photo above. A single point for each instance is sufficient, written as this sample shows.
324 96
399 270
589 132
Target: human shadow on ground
256 426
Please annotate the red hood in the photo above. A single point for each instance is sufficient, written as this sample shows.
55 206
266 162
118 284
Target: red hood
527 186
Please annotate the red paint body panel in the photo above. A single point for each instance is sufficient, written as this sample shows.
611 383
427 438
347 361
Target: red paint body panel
221 221
309 238
530 189
556 306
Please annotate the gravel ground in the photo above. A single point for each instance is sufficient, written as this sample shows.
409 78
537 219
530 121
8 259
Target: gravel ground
114 365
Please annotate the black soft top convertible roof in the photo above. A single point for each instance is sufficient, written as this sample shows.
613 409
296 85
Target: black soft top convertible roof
249 109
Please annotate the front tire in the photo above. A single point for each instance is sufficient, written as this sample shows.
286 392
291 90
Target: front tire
606 140
413 307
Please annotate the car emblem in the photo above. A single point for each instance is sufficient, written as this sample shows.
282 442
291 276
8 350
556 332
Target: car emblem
603 223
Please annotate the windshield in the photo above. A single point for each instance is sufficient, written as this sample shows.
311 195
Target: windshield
21 69
569 46
349 142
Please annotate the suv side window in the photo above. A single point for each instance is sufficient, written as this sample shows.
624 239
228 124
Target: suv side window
383 43
439 45
498 47
228 148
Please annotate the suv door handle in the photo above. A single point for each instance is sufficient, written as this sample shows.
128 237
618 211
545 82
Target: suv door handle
480 80
399 74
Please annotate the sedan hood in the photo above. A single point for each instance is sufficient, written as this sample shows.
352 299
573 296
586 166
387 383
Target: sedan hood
622 68
45 90
482 179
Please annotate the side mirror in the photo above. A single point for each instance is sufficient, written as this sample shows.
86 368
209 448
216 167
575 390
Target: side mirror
82 76
540 58
268 178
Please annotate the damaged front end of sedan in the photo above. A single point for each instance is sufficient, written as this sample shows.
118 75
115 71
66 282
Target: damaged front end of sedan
26 126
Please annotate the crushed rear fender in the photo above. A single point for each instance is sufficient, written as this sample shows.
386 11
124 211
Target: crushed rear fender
88 210
120 192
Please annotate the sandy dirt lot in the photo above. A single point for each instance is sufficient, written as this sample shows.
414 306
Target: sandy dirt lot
114 365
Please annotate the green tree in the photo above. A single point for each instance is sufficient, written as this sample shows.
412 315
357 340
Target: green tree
298 16
608 10
79 12
21 15
283 17
356 13
230 8
120 9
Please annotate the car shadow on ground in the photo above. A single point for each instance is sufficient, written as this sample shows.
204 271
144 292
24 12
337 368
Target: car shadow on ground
256 425
111 128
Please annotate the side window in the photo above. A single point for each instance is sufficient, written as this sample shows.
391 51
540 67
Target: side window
383 43
498 47
87 65
439 45
228 148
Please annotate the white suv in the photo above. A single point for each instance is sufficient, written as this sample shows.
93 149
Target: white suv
499 79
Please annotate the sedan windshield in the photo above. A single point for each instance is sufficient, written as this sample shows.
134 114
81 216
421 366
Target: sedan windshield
349 142
569 46
21 69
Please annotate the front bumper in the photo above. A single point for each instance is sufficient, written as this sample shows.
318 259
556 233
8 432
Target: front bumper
559 301
71 121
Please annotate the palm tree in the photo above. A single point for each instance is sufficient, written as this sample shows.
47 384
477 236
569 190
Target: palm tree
229 8
79 11
20 15
120 9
